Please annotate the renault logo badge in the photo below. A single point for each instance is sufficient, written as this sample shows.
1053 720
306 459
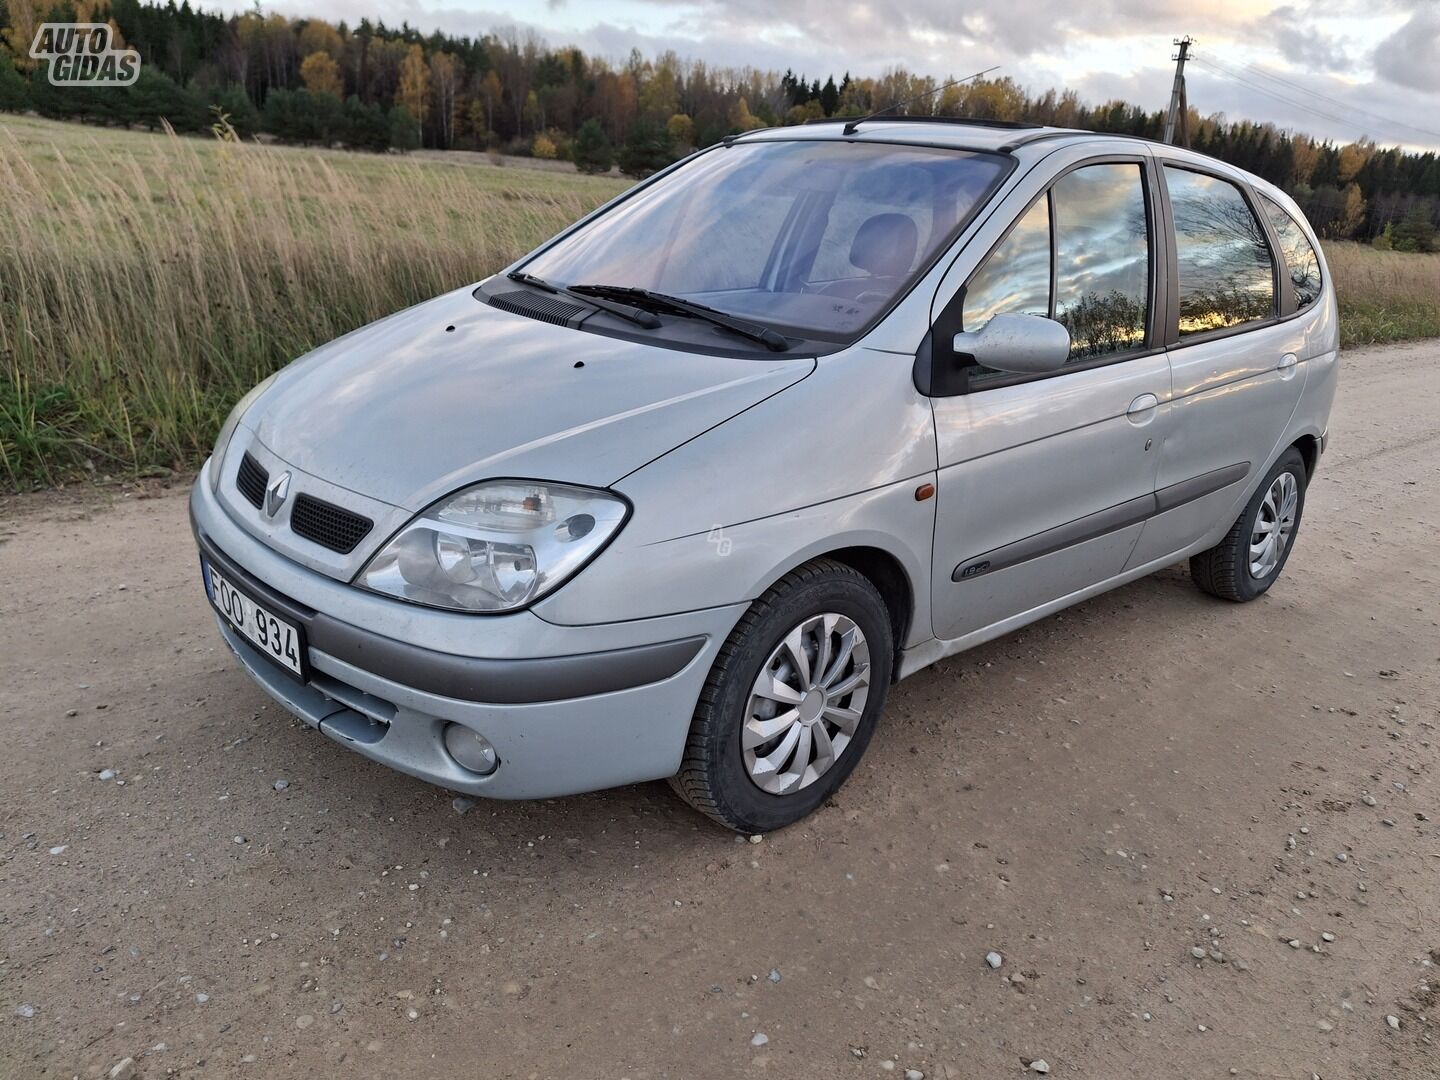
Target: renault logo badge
277 493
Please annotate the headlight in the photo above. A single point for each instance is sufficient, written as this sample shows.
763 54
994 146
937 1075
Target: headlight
496 546
227 429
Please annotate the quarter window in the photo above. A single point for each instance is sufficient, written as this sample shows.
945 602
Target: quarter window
1099 285
1300 257
1226 275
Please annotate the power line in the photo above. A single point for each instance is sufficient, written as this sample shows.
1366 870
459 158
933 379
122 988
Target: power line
1258 70
1260 88
1240 77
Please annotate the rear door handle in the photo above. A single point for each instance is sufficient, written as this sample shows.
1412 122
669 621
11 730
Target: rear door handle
1286 366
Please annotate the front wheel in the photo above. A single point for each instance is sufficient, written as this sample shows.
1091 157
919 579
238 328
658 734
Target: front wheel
1250 558
791 702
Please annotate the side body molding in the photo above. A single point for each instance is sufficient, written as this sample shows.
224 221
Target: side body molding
1111 519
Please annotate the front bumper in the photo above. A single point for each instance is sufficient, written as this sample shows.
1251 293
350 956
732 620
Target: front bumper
568 709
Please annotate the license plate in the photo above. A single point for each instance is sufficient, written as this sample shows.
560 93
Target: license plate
282 641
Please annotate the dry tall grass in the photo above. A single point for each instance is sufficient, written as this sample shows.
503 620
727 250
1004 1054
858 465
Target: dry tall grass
146 282
1384 295
141 293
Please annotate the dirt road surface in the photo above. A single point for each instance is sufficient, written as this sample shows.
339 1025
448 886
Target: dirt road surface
1094 798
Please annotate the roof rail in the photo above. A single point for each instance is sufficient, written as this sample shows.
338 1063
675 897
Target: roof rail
973 121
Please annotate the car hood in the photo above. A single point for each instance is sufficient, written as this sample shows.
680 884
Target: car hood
453 391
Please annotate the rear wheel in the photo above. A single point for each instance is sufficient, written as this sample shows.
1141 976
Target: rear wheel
792 700
1250 558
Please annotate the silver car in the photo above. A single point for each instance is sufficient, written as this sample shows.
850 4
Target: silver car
685 490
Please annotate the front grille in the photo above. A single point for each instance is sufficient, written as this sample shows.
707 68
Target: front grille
545 308
328 525
251 479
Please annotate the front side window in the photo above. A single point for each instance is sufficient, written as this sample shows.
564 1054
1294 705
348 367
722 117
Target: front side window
1300 257
1223 260
1101 272
816 237
1102 259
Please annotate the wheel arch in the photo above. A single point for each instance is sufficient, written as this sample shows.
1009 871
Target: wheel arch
884 570
1309 447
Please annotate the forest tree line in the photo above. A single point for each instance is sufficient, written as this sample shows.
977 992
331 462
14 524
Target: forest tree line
376 87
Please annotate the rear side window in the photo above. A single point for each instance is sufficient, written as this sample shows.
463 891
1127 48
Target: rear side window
1300 257
1101 264
1226 275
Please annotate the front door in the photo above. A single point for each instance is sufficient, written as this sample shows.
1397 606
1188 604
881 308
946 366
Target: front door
1045 482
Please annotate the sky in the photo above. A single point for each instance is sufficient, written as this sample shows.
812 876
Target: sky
1337 69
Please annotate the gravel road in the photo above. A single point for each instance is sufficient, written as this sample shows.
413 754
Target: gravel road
1157 808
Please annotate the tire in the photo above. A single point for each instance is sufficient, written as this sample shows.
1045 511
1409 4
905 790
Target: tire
720 776
1228 570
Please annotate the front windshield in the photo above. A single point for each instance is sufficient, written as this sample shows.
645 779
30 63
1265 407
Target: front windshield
814 237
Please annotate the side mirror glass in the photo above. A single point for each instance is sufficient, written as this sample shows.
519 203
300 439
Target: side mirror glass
1023 344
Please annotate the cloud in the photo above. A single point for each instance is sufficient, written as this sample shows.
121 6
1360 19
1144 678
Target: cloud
1301 43
1410 56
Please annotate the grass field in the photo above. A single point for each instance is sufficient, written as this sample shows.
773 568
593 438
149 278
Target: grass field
147 281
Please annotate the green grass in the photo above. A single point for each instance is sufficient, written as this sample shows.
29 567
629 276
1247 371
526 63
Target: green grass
147 281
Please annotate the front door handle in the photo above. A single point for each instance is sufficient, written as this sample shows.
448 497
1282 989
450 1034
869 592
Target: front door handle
1143 403
1142 409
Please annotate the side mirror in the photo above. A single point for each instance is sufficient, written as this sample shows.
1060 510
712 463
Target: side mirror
1024 344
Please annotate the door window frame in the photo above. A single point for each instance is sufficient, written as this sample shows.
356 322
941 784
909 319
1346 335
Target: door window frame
1282 305
951 380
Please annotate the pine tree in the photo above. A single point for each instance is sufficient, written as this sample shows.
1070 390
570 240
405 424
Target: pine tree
591 150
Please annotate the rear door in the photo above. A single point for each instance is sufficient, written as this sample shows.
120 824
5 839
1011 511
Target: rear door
1045 481
1237 355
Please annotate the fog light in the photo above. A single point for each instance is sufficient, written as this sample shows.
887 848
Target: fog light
471 749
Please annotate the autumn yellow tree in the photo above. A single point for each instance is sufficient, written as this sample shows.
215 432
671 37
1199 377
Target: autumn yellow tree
414 92
321 74
320 36
681 130
1352 217
742 118
1353 157
24 21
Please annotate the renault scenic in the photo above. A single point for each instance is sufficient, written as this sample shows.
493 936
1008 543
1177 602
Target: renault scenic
682 492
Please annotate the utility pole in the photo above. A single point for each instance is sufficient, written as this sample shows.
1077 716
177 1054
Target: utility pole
1179 106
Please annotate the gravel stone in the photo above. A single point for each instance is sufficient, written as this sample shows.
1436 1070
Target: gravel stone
462 806
1394 1022
1040 1065
994 959
124 1069
759 1039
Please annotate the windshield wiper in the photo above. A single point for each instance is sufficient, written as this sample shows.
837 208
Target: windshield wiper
646 319
676 305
